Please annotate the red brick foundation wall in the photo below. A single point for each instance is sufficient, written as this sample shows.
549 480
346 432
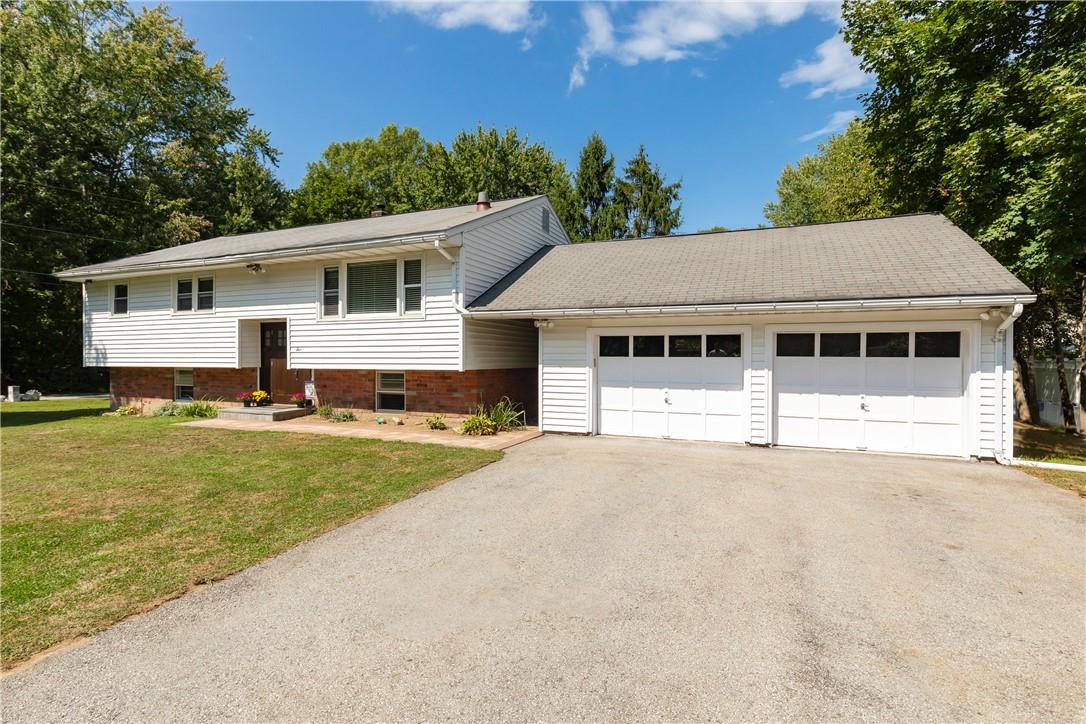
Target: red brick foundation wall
427 390
431 390
223 384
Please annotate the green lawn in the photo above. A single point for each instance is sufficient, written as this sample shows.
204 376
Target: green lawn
1046 444
106 516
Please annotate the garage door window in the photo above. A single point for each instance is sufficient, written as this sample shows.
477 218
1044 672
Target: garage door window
795 345
840 345
887 344
648 346
684 345
723 345
615 346
938 344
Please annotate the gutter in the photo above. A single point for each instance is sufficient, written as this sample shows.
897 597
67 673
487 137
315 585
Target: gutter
234 259
1000 338
832 305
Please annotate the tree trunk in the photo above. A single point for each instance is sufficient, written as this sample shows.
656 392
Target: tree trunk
1024 391
1082 359
1057 343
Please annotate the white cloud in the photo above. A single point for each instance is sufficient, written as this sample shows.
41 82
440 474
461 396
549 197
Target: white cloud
838 122
836 70
506 16
672 31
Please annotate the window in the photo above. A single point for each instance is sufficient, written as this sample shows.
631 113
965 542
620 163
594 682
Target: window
205 293
938 344
795 345
838 344
371 288
648 346
120 299
412 285
887 344
615 346
391 392
182 384
723 345
331 292
684 345
184 295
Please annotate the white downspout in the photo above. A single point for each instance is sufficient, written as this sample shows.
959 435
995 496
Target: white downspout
452 260
1000 339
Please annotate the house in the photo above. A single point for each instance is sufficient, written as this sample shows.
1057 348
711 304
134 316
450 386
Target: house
889 334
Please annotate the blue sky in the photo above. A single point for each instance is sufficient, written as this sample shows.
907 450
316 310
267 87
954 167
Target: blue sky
722 95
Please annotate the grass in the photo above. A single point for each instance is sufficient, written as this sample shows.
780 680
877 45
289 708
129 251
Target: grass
103 517
1052 445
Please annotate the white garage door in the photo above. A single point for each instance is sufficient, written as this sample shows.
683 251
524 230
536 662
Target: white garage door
685 385
892 391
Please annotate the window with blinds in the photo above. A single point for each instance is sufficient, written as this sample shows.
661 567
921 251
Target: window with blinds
371 287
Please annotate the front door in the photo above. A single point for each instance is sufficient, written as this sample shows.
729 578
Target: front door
275 377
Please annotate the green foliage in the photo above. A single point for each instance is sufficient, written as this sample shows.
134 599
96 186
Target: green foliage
978 112
839 183
436 422
126 411
324 411
505 414
198 408
353 178
596 216
117 131
170 409
478 425
648 205
342 416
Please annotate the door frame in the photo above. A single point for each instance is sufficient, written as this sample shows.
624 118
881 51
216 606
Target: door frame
970 331
592 335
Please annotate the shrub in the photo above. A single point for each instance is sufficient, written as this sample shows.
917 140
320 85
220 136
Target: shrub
437 422
478 425
505 415
126 411
342 416
325 411
198 408
170 409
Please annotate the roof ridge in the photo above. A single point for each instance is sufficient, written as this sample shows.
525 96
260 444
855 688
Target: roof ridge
764 228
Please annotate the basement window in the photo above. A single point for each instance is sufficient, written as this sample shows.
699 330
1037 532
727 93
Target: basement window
391 392
182 385
120 299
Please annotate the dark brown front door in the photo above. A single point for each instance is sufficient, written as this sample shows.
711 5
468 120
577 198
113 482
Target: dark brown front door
275 378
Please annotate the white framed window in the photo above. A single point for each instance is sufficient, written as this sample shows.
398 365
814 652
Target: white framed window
119 299
388 287
196 293
182 385
391 391
330 291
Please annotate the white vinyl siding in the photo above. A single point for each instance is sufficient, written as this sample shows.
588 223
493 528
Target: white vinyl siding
494 344
564 380
153 335
492 250
566 367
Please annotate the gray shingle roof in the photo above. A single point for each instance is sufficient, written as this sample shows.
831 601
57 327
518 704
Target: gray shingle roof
922 255
393 226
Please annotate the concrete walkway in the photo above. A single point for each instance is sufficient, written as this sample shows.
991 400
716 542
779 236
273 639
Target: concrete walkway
609 579
414 433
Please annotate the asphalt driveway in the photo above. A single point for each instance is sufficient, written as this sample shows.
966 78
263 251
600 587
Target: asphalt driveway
620 579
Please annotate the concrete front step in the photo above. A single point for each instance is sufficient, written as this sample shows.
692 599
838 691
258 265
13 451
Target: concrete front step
271 413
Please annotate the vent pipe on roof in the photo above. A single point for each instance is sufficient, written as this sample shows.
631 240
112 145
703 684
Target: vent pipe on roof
483 202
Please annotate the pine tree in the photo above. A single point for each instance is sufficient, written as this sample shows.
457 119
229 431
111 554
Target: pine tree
649 205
